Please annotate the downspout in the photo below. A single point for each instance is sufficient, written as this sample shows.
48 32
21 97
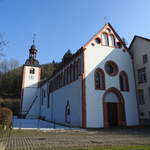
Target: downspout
138 108
40 103
52 113
83 92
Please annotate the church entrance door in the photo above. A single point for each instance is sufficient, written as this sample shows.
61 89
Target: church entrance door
113 108
112 114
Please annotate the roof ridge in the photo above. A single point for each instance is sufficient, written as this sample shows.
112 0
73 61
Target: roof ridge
144 38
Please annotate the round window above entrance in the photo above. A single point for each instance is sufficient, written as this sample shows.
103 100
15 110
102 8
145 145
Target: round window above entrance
111 68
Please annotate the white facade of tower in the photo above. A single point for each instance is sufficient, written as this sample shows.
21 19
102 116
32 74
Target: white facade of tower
30 84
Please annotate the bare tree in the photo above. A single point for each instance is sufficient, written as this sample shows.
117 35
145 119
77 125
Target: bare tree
124 41
4 66
13 64
3 43
8 65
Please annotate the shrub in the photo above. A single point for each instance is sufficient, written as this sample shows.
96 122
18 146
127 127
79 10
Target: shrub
5 117
2 147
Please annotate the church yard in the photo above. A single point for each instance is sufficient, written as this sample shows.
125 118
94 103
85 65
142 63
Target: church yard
136 137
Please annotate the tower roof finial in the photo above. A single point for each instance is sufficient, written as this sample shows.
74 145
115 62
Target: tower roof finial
34 38
105 19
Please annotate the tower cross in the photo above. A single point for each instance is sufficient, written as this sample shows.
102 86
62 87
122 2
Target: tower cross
34 38
105 19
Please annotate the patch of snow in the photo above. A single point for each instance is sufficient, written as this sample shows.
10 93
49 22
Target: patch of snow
38 124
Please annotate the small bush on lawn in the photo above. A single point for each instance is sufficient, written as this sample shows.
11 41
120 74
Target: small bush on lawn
2 147
5 117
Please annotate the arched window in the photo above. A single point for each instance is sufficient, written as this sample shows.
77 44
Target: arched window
32 71
61 79
105 39
74 69
57 82
79 67
67 80
54 83
71 73
123 79
111 40
99 79
50 87
69 70
65 77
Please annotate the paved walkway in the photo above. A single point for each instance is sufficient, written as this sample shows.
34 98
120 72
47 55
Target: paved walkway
55 139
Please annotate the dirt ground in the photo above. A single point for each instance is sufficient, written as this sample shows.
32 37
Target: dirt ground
57 139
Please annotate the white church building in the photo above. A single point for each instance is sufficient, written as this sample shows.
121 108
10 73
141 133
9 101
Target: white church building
95 89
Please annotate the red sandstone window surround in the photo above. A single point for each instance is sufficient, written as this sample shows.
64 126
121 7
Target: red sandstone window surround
123 80
99 77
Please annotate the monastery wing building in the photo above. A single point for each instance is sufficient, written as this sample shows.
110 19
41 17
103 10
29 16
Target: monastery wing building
95 89
140 51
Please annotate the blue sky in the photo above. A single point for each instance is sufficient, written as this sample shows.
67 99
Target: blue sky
66 24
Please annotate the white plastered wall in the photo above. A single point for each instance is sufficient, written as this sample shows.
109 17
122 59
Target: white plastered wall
29 87
71 92
45 110
35 109
58 100
96 57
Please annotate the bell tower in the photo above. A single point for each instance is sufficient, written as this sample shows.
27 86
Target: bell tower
30 81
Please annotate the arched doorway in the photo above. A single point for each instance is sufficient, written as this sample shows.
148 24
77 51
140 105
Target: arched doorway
113 105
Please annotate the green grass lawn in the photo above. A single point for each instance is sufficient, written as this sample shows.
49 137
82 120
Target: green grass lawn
142 147
76 140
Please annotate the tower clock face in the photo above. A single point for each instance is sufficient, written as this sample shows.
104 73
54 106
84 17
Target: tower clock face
31 77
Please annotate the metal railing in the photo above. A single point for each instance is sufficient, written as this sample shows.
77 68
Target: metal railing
27 112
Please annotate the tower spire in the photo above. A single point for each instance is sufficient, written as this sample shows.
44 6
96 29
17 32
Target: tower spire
34 38
32 54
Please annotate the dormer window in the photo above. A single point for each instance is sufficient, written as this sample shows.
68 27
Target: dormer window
32 71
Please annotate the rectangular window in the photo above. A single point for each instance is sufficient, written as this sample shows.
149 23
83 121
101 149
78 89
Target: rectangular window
44 93
145 59
142 114
149 93
32 71
42 96
48 101
142 75
141 96
48 97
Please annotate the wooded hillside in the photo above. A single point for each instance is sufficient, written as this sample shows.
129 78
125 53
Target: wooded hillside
11 81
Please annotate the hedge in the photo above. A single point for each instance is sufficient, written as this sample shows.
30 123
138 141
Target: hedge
5 117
